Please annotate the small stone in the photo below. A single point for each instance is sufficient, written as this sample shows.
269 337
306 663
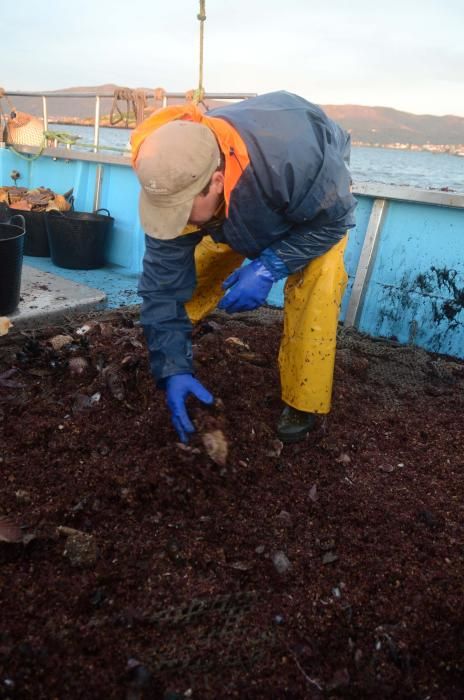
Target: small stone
275 449
79 506
85 329
126 495
313 493
387 468
329 558
281 562
80 403
260 549
23 496
279 619
216 446
60 341
236 341
114 382
81 548
285 518
241 565
78 365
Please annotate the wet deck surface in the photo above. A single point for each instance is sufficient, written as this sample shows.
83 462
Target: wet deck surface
50 293
48 297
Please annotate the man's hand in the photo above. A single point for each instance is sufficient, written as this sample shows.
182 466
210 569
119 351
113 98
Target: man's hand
178 387
248 288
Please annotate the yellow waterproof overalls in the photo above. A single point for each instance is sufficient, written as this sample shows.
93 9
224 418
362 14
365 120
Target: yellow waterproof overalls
312 305
312 296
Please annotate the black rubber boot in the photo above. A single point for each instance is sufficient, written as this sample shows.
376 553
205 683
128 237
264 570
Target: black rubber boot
294 425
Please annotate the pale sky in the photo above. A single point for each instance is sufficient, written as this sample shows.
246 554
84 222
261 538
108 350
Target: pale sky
406 54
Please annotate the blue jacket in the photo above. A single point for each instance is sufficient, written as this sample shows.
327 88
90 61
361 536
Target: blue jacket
291 204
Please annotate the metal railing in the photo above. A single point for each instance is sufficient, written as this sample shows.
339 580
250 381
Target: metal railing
54 150
98 97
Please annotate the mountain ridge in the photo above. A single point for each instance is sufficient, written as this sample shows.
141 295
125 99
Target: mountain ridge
369 125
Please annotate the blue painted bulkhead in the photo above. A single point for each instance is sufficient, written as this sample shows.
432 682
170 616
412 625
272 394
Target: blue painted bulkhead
414 289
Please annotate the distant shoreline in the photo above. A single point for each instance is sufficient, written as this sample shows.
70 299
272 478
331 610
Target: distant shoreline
74 121
450 149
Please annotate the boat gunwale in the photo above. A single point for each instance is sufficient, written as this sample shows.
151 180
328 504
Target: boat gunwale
376 190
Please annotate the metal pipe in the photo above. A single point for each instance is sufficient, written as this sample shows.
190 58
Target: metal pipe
366 261
98 187
96 133
202 17
45 113
177 95
99 168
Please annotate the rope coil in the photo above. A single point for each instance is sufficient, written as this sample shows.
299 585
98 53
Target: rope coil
136 99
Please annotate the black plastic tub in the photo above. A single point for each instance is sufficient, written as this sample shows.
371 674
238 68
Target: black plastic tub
78 240
36 241
11 262
5 215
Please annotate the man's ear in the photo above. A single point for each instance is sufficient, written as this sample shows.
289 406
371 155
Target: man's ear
217 182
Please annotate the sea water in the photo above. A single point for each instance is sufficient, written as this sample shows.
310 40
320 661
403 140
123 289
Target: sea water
386 165
421 169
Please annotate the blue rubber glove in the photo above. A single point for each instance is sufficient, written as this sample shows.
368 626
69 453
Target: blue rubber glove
178 387
249 286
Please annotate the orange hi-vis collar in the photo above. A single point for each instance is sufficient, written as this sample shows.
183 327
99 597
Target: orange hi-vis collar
230 142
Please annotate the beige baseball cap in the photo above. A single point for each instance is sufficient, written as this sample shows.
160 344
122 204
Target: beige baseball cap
174 164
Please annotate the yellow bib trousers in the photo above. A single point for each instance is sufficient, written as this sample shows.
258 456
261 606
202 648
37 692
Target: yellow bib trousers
312 299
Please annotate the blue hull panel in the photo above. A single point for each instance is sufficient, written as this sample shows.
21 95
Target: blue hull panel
416 290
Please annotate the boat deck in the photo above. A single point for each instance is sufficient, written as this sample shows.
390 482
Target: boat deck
50 293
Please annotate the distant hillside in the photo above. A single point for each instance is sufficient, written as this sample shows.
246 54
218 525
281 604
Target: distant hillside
370 125
385 125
